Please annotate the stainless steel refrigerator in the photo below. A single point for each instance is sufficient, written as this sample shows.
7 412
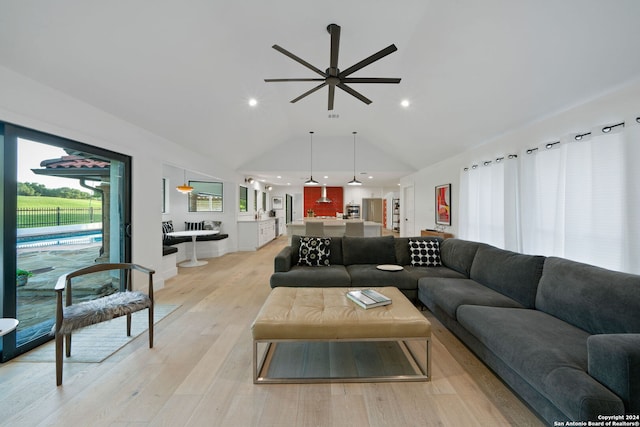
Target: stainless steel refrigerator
372 210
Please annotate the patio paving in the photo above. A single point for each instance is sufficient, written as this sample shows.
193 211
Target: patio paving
36 300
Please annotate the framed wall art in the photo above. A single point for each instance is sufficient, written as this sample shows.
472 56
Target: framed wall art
276 203
443 204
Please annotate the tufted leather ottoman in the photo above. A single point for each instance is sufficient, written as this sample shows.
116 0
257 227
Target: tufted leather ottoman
326 314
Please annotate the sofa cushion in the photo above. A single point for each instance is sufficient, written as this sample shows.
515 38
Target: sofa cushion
368 250
592 298
512 274
314 251
425 253
449 294
551 355
458 254
335 248
367 275
299 276
614 360
440 272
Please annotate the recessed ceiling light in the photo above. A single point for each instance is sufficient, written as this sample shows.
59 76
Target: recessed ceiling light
278 177
405 103
370 177
325 177
253 102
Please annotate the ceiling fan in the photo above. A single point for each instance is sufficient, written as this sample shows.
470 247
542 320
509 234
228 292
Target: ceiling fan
333 77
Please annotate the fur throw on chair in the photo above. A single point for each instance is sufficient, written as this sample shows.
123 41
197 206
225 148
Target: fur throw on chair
87 313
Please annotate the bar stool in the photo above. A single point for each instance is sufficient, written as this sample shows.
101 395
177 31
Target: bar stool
354 229
314 228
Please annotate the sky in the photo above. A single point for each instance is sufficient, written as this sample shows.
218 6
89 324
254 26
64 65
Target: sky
30 154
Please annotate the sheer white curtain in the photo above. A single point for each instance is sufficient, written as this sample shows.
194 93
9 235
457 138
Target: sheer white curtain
581 200
488 204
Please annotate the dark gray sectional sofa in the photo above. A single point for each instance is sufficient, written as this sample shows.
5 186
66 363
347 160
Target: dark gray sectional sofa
565 336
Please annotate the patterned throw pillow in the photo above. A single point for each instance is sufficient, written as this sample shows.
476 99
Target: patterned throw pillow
314 251
425 253
167 227
189 226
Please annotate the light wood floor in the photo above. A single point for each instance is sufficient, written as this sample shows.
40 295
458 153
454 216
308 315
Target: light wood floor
199 373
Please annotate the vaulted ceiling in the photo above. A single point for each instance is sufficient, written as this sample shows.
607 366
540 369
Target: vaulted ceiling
185 70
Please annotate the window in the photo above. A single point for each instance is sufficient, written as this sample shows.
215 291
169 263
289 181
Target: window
205 197
256 194
264 202
244 191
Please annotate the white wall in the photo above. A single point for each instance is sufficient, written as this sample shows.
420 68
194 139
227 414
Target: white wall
32 105
622 104
178 209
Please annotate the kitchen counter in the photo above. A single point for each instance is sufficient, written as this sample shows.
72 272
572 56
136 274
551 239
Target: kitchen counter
334 227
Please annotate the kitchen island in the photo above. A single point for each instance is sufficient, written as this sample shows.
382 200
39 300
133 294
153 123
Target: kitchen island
334 227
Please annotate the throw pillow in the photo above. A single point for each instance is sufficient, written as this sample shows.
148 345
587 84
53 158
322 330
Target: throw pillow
188 226
167 227
211 225
425 253
314 251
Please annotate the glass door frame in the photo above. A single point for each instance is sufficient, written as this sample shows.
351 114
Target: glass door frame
9 135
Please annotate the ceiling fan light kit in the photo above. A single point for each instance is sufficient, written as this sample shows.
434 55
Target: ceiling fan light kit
333 77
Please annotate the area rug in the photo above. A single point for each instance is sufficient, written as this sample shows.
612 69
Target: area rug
95 343
306 360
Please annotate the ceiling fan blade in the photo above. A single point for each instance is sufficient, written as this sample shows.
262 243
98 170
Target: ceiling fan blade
334 30
309 92
293 80
373 58
370 80
332 94
299 60
355 93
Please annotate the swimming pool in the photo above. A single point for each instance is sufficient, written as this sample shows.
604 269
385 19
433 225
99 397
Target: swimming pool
61 239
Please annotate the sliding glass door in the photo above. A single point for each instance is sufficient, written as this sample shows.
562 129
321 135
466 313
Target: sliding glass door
66 205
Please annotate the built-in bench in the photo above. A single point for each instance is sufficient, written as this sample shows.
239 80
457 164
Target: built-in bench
178 249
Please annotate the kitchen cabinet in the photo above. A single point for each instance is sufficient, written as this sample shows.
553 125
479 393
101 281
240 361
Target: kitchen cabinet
252 235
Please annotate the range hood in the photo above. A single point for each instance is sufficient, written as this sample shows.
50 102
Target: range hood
323 198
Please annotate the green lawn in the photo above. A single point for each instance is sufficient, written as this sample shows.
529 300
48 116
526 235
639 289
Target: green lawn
39 211
39 202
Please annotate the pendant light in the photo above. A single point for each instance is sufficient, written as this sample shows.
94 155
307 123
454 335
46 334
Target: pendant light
185 188
354 181
311 181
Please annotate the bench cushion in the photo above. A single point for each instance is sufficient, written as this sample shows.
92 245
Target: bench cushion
168 250
211 237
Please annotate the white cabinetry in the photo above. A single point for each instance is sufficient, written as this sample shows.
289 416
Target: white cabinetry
255 234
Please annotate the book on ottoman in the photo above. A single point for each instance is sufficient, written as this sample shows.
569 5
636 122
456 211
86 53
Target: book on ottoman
368 298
